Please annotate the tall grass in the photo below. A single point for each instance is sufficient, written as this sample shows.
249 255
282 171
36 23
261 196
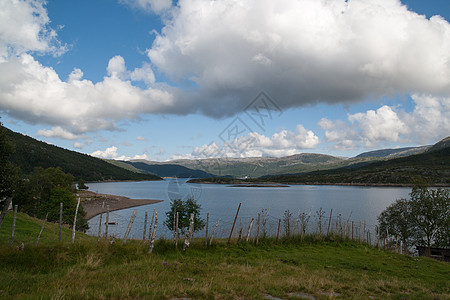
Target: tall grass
311 264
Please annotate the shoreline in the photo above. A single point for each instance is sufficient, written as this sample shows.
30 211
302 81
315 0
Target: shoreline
436 185
92 202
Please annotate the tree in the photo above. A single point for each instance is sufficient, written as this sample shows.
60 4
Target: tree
66 196
430 215
424 219
395 220
81 185
184 209
6 172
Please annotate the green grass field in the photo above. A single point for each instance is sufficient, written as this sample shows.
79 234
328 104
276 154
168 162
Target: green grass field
287 269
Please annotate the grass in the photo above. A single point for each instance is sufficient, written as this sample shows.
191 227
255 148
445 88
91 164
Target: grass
91 270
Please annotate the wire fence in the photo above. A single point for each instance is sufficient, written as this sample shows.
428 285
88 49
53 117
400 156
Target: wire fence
319 223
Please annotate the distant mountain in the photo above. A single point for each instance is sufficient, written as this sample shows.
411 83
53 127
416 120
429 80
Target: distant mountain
431 166
391 153
256 167
30 153
260 166
445 143
168 170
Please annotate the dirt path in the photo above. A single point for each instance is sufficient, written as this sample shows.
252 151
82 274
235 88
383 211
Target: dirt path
92 202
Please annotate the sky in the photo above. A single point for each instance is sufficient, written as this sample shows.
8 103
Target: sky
162 80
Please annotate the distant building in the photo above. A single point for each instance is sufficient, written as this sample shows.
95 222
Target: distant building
441 254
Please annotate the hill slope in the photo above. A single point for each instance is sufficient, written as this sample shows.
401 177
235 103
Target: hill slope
432 166
30 153
169 170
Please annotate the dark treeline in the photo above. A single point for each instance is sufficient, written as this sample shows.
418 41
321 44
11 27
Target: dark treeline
30 153
38 177
39 192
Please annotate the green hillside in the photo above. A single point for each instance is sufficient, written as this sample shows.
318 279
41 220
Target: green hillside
432 167
30 153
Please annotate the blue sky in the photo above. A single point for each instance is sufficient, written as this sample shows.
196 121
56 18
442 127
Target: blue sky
158 80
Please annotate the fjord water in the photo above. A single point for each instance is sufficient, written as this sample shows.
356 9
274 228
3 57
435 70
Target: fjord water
353 203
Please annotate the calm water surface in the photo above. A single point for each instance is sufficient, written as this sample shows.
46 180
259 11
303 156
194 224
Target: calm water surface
221 202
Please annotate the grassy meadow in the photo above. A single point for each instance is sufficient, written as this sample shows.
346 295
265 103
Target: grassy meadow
290 269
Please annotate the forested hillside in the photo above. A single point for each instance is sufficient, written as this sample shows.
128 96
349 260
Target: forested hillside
432 167
30 153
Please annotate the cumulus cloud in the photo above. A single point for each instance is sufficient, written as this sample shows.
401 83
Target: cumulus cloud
35 93
110 152
427 123
220 54
156 6
58 132
301 52
384 124
254 144
141 138
24 27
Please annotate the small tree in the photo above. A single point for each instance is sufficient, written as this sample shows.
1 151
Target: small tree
424 219
430 215
184 210
396 220
81 185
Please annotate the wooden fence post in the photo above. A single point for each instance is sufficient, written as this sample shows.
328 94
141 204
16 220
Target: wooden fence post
60 220
107 222
151 225
264 223
364 230
176 231
249 229
42 228
329 222
188 236
214 230
174 224
234 222
359 231
14 225
152 240
278 231
206 231
130 224
240 230
100 222
257 229
145 227
75 220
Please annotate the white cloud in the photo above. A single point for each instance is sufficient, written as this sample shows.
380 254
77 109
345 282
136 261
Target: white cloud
78 145
110 152
427 123
430 120
116 66
141 138
298 51
156 6
301 51
256 145
58 132
24 28
340 133
383 124
32 92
